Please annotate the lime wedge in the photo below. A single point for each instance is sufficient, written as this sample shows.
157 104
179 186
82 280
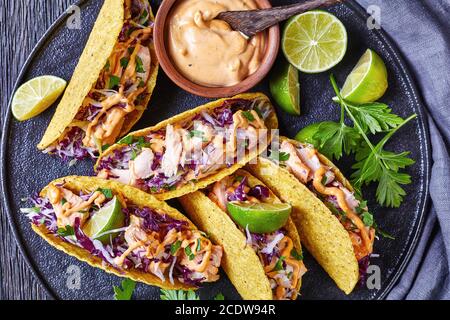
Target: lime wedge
314 41
260 217
109 217
368 81
36 95
285 88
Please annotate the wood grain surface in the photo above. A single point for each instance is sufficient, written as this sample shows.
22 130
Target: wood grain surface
22 24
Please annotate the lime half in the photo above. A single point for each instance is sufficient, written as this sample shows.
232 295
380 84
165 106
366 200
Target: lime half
36 95
260 217
368 81
285 88
109 217
314 41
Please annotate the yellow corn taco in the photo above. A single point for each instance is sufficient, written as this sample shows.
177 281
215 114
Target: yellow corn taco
111 85
193 149
262 265
124 231
326 211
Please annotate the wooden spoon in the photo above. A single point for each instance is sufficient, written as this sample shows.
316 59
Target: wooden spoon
253 21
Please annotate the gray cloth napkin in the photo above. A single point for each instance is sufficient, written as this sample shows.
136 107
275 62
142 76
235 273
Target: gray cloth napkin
421 29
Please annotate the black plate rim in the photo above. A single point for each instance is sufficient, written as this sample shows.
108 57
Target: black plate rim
356 8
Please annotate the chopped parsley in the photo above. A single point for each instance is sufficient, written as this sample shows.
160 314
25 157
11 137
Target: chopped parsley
189 253
174 247
279 265
66 232
139 65
124 62
113 82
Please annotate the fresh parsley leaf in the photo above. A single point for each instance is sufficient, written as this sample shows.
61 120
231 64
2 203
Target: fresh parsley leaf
178 295
248 115
127 140
219 296
139 65
374 164
66 232
336 138
106 146
63 201
174 247
124 62
189 253
125 291
389 190
296 255
279 264
367 218
280 156
107 65
113 82
374 117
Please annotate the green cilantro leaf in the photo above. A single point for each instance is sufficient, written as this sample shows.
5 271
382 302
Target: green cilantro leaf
125 291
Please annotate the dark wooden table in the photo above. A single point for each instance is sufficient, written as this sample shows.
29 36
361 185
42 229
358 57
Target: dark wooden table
22 24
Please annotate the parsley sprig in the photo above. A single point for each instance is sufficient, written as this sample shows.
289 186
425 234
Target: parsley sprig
125 291
374 163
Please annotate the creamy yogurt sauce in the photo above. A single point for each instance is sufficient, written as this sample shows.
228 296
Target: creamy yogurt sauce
206 50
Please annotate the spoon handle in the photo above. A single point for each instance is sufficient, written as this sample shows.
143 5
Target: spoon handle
253 21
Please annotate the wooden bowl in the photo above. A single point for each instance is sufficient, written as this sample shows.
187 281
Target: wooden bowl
272 46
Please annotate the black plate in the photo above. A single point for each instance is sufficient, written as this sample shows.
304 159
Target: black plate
25 170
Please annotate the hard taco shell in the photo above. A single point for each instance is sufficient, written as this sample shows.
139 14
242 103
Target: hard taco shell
134 196
240 262
322 233
98 49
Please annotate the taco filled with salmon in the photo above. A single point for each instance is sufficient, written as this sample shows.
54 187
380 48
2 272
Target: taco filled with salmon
124 231
111 85
193 149
262 251
334 223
